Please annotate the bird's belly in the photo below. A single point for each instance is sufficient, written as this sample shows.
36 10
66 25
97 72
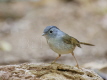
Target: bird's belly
60 47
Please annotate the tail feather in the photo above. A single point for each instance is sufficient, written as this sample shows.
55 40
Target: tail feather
86 43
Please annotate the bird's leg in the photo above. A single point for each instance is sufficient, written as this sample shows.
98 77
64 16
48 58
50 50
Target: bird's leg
75 60
57 58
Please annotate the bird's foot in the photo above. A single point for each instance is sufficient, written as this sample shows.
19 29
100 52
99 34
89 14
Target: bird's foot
78 67
53 62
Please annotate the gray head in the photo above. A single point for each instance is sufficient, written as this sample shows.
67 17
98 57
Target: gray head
50 31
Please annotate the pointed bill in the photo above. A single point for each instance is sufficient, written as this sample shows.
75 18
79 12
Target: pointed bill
43 34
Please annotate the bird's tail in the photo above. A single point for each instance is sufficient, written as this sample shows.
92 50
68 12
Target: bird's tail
86 44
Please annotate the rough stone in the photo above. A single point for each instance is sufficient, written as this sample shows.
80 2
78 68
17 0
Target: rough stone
33 71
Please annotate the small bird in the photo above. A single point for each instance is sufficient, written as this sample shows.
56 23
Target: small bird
61 42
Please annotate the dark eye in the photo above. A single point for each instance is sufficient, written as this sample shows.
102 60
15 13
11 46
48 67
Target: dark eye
51 31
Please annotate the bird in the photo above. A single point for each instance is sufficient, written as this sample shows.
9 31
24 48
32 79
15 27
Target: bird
61 43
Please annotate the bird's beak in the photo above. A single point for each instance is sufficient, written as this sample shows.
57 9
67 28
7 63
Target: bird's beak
43 34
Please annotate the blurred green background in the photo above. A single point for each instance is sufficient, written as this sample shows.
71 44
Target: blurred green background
22 23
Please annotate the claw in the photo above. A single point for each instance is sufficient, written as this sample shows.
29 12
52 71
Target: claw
77 66
53 62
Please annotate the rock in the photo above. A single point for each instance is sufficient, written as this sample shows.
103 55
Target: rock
32 71
99 68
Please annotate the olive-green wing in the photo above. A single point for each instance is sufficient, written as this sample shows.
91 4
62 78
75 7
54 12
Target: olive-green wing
70 40
75 42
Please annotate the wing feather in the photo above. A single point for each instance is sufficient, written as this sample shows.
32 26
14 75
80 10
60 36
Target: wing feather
70 40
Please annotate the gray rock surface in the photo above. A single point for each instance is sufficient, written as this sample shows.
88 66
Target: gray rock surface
32 71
